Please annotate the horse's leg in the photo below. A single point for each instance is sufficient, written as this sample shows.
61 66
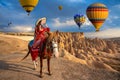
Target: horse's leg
41 65
48 64
36 62
35 66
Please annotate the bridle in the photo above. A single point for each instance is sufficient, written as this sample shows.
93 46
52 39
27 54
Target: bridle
52 45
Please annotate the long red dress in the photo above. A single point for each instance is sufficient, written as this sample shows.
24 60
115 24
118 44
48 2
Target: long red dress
39 35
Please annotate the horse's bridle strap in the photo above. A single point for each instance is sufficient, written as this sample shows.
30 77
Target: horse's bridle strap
54 47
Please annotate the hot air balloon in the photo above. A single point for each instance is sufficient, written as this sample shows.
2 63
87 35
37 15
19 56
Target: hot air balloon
60 7
28 5
9 23
97 13
79 19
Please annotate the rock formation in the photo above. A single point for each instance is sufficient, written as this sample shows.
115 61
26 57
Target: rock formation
88 50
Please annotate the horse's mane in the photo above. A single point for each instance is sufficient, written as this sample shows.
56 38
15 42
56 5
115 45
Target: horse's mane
49 39
51 36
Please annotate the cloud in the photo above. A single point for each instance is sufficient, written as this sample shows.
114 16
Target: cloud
68 22
87 22
108 33
58 23
19 29
117 6
109 20
114 17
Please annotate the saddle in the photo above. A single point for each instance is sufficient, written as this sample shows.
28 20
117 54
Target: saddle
35 51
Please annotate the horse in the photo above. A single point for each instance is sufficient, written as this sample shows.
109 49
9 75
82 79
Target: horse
48 48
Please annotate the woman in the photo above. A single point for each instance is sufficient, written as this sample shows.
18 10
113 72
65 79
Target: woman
40 30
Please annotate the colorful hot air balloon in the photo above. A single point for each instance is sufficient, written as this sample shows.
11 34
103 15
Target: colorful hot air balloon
60 7
97 13
28 5
79 19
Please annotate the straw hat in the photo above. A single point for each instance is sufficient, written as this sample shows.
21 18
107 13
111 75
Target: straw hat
41 19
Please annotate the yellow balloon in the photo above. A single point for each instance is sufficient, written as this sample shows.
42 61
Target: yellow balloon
97 14
28 5
60 7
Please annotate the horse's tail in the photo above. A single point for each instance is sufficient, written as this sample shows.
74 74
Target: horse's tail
26 54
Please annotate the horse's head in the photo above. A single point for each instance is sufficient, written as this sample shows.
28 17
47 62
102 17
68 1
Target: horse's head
52 43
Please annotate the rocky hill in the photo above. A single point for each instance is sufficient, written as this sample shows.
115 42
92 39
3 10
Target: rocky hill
76 43
95 51
12 45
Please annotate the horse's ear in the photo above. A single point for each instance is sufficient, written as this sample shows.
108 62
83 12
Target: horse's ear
49 33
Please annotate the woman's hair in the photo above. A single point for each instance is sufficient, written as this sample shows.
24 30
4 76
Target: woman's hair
39 23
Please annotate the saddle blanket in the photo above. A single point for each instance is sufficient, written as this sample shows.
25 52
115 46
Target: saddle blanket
33 51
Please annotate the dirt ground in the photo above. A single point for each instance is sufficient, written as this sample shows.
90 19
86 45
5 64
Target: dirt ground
62 69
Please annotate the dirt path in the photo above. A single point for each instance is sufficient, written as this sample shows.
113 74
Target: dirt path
61 68
26 38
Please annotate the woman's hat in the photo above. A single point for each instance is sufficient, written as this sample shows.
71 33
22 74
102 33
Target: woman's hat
44 18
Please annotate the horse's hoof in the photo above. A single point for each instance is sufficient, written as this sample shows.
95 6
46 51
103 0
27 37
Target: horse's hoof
49 74
35 69
36 63
41 76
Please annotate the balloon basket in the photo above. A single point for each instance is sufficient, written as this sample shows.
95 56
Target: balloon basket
97 30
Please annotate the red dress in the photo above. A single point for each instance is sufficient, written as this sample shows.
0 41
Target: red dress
39 35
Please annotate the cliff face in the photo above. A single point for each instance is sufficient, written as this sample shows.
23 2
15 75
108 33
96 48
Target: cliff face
98 53
70 41
76 43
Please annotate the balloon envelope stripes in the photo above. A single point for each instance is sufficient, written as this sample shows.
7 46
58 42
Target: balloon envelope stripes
97 14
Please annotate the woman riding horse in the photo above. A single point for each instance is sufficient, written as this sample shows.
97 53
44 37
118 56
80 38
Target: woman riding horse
39 35
45 42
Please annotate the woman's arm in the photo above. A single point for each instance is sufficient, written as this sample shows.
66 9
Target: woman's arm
47 29
36 31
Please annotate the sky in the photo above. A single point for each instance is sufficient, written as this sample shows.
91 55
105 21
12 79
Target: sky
11 11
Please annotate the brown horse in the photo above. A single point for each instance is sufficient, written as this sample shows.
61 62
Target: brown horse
48 48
